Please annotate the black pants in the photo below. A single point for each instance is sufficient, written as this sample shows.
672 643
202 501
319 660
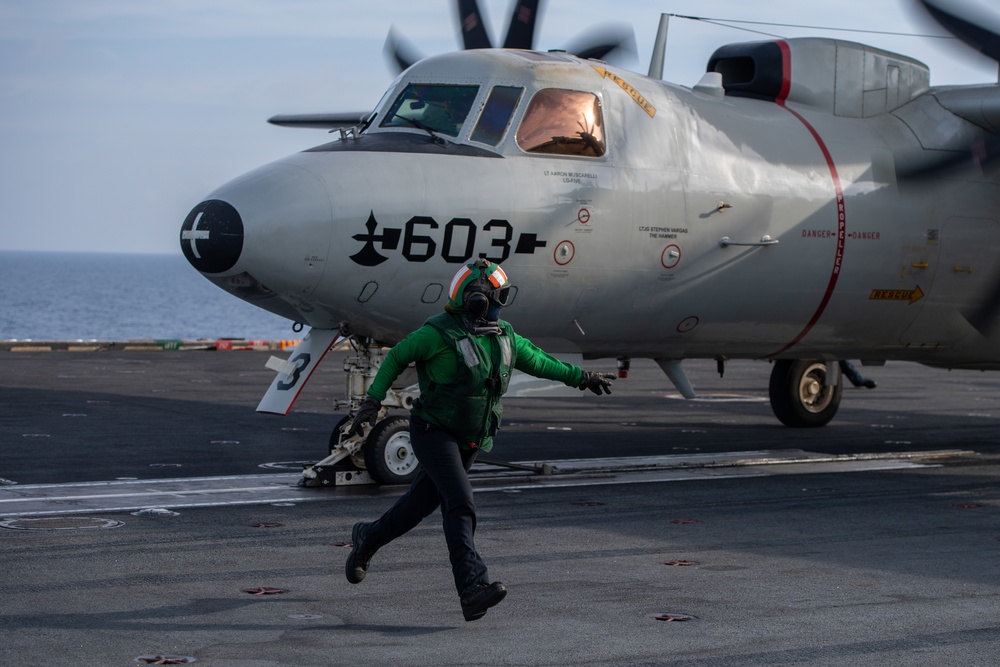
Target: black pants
442 480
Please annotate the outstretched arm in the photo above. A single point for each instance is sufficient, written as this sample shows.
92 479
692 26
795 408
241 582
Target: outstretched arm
534 361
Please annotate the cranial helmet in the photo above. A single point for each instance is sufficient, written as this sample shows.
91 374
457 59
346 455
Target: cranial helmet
478 286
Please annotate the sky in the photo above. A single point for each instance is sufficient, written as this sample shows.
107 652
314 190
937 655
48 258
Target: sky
118 116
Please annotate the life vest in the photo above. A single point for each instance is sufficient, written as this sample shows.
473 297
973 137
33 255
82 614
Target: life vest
468 407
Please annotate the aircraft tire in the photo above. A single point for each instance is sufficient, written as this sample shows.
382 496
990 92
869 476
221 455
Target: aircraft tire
389 456
799 395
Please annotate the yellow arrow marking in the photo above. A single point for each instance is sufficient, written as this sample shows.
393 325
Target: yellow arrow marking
910 295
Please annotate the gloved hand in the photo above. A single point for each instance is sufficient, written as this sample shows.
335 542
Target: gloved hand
596 382
367 414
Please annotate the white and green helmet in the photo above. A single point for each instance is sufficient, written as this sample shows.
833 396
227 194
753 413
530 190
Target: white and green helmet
479 277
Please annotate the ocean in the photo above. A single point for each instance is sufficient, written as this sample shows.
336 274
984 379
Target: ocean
119 297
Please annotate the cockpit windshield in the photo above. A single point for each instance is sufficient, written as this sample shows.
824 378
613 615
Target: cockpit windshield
496 114
563 122
433 107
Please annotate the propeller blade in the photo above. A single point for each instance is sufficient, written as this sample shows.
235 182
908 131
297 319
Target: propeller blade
614 43
473 29
983 319
982 154
976 36
521 29
400 53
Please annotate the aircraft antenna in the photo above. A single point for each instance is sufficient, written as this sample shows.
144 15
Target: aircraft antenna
659 48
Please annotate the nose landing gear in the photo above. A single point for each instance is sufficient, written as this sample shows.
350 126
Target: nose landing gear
382 453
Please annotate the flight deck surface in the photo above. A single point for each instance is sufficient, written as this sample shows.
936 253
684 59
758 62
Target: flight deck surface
142 498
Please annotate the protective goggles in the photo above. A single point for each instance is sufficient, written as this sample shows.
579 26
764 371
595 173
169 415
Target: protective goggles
499 296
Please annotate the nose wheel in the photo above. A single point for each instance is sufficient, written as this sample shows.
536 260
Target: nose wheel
384 453
381 454
389 456
803 394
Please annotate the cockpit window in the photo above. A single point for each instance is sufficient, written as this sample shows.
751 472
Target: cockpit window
434 107
496 114
563 122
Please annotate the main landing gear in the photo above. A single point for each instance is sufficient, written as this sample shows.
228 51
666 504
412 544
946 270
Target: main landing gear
382 453
805 392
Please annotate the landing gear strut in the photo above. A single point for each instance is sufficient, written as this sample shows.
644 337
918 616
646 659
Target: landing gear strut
382 453
805 392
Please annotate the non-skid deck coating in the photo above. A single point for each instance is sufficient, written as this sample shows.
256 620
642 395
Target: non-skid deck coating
873 541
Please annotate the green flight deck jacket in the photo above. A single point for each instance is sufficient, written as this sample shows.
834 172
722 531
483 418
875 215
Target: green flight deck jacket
462 376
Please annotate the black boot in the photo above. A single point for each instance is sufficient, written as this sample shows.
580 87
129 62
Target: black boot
478 598
358 559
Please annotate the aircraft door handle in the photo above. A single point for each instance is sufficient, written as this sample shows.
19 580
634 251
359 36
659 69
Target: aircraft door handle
766 239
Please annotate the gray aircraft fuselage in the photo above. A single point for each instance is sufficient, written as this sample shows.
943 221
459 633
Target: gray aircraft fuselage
757 215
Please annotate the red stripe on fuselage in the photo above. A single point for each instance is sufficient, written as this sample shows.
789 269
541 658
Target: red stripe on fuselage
786 84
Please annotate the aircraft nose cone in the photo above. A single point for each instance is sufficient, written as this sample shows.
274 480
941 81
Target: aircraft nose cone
265 236
212 236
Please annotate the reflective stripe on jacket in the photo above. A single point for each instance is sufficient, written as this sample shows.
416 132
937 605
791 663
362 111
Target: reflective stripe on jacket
468 407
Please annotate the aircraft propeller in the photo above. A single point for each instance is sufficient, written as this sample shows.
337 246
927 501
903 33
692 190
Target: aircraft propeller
976 36
607 42
982 153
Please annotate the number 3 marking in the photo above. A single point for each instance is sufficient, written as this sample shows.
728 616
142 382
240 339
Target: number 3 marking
300 360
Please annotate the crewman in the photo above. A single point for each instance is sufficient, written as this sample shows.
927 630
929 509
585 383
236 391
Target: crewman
464 358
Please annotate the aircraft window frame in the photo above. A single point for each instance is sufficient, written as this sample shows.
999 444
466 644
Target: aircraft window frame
495 117
577 135
427 108
376 113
